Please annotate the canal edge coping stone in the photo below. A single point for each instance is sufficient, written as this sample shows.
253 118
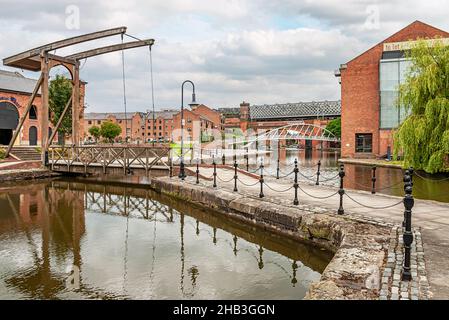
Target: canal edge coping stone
360 247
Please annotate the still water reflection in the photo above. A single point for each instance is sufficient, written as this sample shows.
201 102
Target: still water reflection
132 243
388 180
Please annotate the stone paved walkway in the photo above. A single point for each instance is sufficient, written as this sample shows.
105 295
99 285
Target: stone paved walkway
431 216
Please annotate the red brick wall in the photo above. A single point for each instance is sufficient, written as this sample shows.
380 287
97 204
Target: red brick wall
360 91
21 103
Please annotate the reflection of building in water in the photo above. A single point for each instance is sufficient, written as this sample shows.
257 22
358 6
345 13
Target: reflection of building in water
51 216
60 217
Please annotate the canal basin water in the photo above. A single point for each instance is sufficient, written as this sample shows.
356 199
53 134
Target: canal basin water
388 180
130 243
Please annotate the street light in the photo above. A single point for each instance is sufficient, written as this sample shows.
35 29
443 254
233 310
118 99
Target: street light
182 174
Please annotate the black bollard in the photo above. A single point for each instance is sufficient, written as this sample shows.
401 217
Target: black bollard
234 147
277 168
407 179
223 159
295 184
261 195
197 172
215 174
341 191
318 173
182 174
235 175
407 235
373 180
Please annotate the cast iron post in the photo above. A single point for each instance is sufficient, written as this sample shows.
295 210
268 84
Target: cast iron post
235 175
407 235
406 183
295 185
341 191
215 173
373 179
198 171
318 173
247 159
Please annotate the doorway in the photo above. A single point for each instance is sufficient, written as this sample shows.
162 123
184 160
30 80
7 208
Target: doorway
32 135
9 119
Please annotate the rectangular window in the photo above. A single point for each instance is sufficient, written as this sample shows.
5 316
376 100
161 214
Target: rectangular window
392 73
364 142
89 122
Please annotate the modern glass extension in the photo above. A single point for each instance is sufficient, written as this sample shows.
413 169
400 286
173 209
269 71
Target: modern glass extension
392 73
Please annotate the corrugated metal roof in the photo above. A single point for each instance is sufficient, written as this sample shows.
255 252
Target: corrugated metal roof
14 81
296 110
229 112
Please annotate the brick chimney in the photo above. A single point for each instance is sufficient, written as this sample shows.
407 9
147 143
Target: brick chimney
244 111
244 115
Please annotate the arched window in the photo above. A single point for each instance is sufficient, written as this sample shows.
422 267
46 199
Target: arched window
33 112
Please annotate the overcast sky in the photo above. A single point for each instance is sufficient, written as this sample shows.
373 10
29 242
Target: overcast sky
260 51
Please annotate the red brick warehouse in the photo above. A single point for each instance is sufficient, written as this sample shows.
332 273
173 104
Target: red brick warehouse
15 92
369 89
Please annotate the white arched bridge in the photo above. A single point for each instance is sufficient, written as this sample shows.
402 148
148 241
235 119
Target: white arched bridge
298 131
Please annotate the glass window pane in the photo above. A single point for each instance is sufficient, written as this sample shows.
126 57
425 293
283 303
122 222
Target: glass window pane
404 67
389 75
388 110
364 142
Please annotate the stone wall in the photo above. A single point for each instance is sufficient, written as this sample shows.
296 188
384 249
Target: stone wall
360 246
26 174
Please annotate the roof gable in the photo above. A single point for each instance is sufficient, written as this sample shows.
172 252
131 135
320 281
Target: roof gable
413 31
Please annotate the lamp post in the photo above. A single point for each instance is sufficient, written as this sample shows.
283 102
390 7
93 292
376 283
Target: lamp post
182 174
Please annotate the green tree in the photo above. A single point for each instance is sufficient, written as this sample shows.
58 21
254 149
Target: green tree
423 137
59 92
110 130
95 132
334 126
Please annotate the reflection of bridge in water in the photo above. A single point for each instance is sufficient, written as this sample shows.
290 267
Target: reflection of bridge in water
143 203
62 209
127 205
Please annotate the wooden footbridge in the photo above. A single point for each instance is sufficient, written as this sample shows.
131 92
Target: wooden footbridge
120 159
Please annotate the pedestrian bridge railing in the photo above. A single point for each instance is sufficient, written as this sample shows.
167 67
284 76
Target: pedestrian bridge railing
110 156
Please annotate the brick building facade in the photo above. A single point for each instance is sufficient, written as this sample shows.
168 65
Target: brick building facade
142 129
369 89
15 92
263 118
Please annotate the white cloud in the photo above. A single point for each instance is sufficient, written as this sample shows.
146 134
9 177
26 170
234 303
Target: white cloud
255 50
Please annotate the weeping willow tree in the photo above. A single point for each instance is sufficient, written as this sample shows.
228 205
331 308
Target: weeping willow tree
423 138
